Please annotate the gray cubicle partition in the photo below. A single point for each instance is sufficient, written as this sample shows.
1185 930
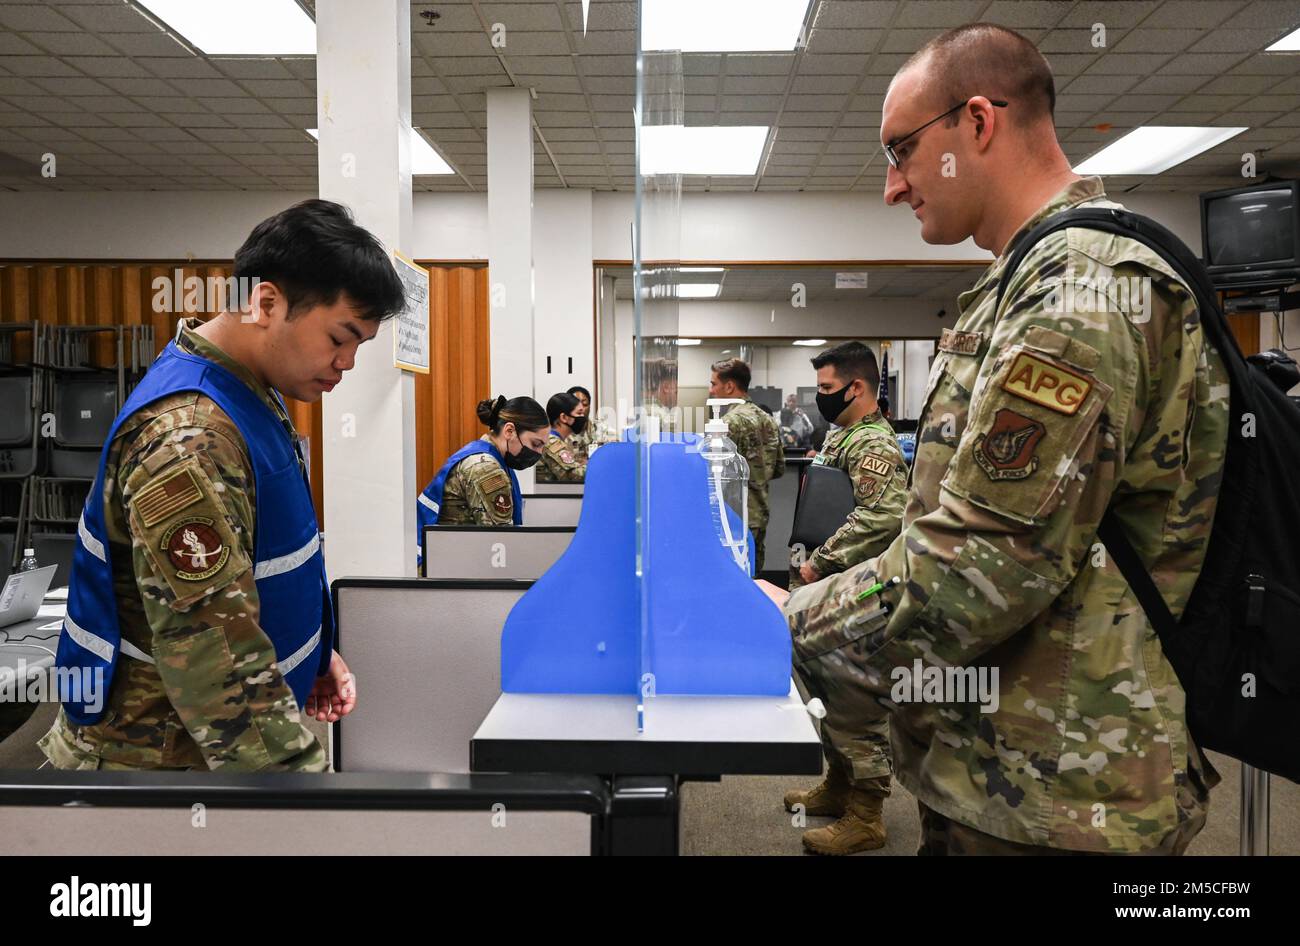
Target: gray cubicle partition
427 658
558 489
52 812
472 553
553 510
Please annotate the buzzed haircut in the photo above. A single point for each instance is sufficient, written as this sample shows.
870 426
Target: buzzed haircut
733 369
989 60
851 360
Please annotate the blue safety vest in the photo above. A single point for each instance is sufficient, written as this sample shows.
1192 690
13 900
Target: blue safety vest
289 567
429 504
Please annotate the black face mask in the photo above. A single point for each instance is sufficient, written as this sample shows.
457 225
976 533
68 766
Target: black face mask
523 459
579 424
832 405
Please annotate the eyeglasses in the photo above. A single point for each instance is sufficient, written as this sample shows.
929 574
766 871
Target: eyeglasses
891 155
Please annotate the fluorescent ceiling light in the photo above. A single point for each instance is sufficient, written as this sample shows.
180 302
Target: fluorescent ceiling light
239 27
688 341
701 290
1154 148
1290 43
424 160
710 149
722 26
811 342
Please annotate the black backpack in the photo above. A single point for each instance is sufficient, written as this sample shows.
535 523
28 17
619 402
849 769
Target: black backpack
1241 627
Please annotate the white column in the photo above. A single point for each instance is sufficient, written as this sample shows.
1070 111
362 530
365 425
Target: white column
363 80
510 239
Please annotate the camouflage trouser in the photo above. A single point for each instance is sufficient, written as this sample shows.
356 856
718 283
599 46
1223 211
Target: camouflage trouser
855 729
942 836
760 535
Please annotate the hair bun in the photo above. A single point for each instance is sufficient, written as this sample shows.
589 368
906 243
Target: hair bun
488 412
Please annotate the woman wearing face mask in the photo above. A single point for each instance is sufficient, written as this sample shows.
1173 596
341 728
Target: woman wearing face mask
477 485
562 462
584 430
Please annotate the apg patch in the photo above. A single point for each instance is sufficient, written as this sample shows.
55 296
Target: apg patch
1006 451
194 548
1046 384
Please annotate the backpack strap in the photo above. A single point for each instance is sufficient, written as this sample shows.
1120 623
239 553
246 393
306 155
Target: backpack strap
1188 269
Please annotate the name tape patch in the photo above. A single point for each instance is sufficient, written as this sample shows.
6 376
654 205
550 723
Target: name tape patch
960 343
1046 384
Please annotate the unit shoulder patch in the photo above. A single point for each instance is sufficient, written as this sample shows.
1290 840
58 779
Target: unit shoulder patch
1046 384
1007 451
194 548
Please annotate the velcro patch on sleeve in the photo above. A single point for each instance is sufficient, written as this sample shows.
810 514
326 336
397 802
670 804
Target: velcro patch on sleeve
164 499
495 480
1046 384
877 465
960 343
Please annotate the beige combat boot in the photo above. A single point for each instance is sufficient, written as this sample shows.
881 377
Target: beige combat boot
825 800
859 829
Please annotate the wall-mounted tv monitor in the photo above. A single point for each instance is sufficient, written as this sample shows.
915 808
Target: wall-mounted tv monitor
1251 235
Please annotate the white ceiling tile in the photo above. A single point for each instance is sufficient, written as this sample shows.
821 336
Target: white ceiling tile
1024 14
1128 64
939 13
36 66
605 65
70 44
609 42
1234 41
907 41
759 64
22 17
158 87
438 45
147 44
838 64
841 40
1088 84
1200 14
117 66
822 85
754 84
11 44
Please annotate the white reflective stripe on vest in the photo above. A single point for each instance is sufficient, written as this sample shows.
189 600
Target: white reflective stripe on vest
286 563
286 666
425 500
92 642
92 544
131 650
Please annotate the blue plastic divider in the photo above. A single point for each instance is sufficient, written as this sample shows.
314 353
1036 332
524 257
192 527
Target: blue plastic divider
711 630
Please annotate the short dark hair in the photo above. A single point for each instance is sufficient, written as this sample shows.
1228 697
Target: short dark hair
733 369
313 252
851 360
562 403
523 412
990 60
579 389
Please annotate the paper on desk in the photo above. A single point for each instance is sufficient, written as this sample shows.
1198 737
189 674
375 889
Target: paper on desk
52 626
52 611
57 594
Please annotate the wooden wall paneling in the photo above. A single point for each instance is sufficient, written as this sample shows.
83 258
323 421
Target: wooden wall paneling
1245 328
482 344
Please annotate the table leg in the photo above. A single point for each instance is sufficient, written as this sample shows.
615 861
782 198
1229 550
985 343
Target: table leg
643 818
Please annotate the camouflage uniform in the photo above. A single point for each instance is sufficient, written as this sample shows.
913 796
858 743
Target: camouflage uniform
215 698
874 462
560 462
477 493
1036 419
758 440
868 452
